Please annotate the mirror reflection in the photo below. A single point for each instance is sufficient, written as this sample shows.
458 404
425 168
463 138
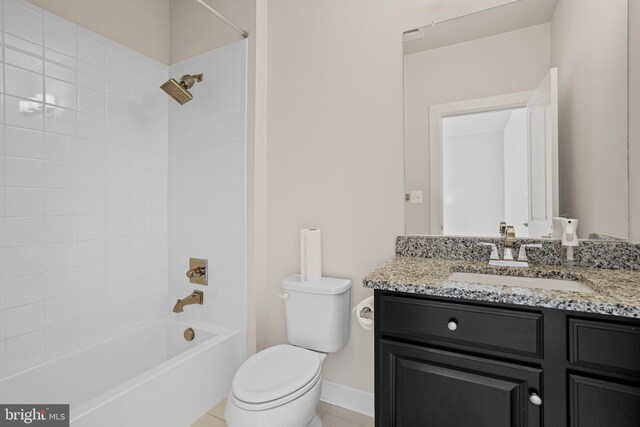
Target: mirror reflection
518 114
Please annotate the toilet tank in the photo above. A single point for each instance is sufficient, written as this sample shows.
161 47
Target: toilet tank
317 312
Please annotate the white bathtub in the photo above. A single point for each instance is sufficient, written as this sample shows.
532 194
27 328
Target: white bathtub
150 376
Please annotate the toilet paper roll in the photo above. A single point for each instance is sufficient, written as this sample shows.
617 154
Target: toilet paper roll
365 322
310 254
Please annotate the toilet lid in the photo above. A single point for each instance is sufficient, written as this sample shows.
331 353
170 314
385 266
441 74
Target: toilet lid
274 373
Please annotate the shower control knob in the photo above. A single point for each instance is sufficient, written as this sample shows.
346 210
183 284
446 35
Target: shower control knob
535 399
196 272
452 325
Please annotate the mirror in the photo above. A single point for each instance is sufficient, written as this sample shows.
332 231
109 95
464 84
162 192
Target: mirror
518 113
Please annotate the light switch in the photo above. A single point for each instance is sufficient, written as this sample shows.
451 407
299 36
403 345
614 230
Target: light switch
415 197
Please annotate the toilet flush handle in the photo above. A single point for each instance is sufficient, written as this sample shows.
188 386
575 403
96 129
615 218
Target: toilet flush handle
284 295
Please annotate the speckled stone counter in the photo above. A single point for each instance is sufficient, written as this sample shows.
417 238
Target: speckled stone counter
617 292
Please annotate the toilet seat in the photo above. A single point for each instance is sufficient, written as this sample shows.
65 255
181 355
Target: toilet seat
275 376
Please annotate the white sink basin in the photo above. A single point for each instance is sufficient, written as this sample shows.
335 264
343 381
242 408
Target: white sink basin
522 282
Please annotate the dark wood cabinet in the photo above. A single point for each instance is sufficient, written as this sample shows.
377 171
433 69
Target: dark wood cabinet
442 362
429 387
599 403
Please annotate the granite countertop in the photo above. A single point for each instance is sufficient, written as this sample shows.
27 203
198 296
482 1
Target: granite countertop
616 292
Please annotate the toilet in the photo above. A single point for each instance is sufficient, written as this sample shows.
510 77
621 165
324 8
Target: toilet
280 386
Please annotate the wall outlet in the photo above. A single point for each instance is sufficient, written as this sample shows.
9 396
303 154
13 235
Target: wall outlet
415 197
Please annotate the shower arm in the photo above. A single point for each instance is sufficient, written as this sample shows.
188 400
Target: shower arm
188 80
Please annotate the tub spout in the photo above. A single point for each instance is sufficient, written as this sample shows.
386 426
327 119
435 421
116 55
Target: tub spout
196 297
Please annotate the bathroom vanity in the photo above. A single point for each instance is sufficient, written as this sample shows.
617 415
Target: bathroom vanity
461 354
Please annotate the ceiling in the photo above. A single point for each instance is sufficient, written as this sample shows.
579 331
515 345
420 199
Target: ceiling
497 20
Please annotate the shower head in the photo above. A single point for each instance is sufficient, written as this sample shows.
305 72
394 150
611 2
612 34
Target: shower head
180 90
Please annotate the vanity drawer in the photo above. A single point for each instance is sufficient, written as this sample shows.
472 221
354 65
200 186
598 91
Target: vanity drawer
507 330
610 346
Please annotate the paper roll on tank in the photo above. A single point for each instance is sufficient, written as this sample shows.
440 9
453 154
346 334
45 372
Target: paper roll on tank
310 254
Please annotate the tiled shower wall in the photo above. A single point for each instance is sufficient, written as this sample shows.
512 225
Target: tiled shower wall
83 187
207 144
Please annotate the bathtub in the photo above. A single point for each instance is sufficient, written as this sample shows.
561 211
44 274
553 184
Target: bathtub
149 376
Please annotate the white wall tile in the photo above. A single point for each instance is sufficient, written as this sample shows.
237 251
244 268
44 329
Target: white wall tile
61 120
23 290
92 227
60 147
206 162
23 260
24 202
23 113
61 93
23 23
60 38
21 142
24 4
59 283
21 172
92 76
24 319
23 53
23 83
92 101
60 229
91 126
60 256
60 175
92 252
118 85
60 201
60 66
83 185
90 176
60 339
25 351
92 50
118 60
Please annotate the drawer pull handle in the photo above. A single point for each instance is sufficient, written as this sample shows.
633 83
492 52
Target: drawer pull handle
535 399
452 325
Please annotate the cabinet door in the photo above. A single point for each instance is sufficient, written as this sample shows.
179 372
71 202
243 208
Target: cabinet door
598 403
425 387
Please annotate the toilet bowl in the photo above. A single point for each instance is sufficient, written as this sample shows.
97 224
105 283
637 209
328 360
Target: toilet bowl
280 386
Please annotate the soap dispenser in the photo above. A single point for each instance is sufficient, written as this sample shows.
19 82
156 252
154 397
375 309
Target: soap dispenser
569 241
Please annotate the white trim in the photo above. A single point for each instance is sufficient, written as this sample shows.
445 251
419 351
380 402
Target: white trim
436 114
347 397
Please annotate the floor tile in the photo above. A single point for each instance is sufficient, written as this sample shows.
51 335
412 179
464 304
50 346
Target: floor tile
218 410
209 421
331 421
322 408
354 417
332 416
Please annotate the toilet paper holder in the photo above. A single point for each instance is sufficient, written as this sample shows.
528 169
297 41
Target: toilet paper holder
364 312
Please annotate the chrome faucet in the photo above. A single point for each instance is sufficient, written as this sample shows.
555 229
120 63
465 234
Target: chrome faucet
196 297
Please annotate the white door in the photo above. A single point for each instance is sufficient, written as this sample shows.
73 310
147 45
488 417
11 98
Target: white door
542 125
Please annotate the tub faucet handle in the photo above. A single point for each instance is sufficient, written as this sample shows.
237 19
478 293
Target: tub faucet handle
197 272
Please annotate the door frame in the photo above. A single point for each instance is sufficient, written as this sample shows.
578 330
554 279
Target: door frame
441 111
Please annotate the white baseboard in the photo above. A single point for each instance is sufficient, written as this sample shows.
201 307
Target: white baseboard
347 397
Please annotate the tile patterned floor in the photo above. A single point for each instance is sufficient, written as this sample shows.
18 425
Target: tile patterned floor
332 416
